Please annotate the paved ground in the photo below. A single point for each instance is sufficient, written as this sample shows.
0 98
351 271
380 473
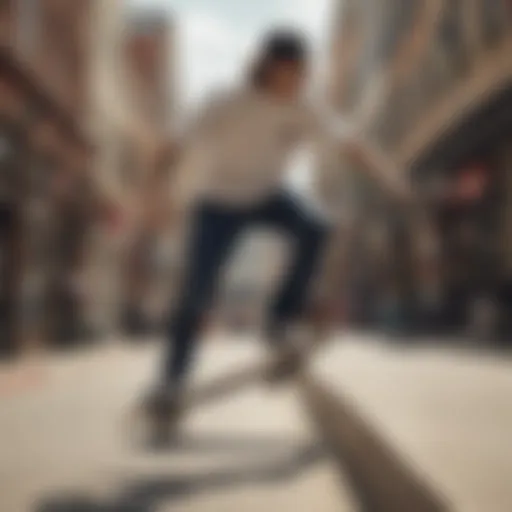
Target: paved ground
447 412
62 445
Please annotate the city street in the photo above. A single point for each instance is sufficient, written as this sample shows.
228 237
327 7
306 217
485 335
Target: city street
351 160
64 447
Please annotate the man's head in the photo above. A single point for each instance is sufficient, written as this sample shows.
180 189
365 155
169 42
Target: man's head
281 66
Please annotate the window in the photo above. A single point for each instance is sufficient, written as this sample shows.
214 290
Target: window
27 15
495 16
396 23
451 35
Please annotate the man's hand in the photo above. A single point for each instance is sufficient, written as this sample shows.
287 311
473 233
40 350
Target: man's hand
401 190
380 168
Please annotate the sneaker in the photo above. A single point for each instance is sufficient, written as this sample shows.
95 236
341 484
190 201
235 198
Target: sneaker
161 410
286 354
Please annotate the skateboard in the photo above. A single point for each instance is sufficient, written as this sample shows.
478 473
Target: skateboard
272 371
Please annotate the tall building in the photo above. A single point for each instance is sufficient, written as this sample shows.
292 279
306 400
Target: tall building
150 53
432 83
149 47
131 108
43 62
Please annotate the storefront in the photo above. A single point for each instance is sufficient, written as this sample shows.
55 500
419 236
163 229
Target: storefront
466 224
466 178
377 278
34 136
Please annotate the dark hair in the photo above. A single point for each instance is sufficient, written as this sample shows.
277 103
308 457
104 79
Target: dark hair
283 45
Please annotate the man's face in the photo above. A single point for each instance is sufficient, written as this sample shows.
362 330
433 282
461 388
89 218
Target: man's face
287 79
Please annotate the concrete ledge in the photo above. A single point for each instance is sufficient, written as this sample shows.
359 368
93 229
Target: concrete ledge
383 481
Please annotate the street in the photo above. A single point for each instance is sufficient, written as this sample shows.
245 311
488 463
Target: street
65 447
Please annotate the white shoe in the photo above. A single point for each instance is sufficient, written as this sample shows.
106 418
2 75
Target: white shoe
286 353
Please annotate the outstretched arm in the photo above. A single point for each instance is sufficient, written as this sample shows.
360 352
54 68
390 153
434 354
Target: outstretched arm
378 166
179 164
338 135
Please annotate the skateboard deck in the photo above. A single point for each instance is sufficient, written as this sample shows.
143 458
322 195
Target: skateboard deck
260 371
254 373
217 389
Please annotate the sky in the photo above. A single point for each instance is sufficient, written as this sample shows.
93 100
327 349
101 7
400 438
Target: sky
216 37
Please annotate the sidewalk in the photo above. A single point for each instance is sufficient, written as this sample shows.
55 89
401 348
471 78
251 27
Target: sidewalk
62 446
447 412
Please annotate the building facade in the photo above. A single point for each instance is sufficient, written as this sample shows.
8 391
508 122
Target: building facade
131 96
431 83
45 158
149 49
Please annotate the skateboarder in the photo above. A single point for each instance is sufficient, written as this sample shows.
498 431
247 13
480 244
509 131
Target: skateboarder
231 173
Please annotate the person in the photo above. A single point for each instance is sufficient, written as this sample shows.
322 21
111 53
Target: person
230 178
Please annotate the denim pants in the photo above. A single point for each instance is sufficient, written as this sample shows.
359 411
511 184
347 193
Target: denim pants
214 230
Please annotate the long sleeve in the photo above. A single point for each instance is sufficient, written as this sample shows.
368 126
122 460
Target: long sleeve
203 123
328 134
196 141
339 139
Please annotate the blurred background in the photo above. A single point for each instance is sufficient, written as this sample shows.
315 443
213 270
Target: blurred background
91 91
93 98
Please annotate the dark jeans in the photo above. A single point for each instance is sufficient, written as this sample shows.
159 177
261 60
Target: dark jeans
215 229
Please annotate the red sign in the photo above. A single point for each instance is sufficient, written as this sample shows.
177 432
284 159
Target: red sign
471 185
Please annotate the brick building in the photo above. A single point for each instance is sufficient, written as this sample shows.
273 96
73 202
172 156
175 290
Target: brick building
43 65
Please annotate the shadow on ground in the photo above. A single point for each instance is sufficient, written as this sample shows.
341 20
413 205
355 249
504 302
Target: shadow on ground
235 443
145 494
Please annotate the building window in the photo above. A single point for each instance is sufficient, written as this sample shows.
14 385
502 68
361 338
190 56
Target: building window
398 21
495 16
27 16
452 36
